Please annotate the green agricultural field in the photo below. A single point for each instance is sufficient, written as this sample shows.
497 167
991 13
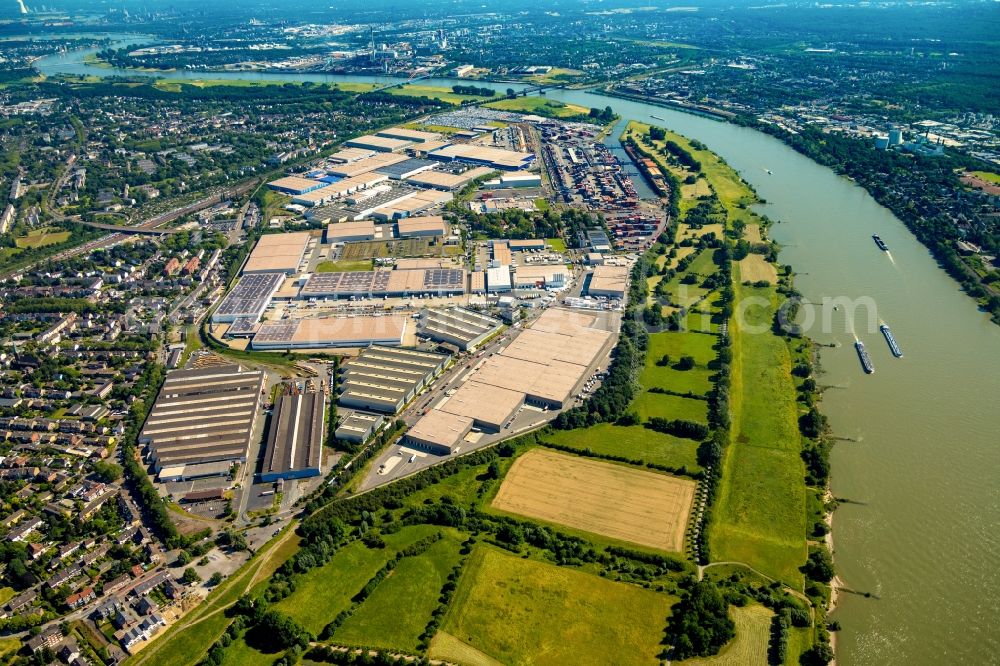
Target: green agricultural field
433 92
749 647
676 344
760 514
521 611
335 266
667 406
633 442
398 611
540 106
325 591
42 237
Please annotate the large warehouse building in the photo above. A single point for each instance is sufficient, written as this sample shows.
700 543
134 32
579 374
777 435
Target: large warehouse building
329 332
278 253
416 136
383 380
370 284
249 298
362 230
424 226
543 366
202 421
295 185
439 432
295 440
609 281
444 180
496 158
382 144
466 329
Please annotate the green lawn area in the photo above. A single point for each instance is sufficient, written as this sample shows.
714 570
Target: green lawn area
988 176
521 611
635 442
399 609
540 106
557 244
346 265
760 512
240 654
749 647
461 487
676 344
667 406
703 264
6 594
324 591
42 237
8 648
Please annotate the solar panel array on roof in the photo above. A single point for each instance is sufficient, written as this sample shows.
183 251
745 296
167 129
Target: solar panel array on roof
249 298
407 168
241 327
384 283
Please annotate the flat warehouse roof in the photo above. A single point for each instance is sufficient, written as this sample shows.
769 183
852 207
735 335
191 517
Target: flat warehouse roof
350 229
351 155
367 164
408 134
489 406
331 331
278 252
424 224
382 143
554 381
446 180
295 440
580 348
609 279
441 429
379 282
295 184
407 167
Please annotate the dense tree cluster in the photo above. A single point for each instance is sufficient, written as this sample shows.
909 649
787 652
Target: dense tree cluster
699 624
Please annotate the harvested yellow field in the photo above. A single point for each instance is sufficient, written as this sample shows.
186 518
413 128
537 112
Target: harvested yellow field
447 647
752 233
755 268
749 648
611 500
682 251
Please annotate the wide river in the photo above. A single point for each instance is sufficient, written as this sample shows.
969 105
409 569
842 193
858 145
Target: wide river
922 469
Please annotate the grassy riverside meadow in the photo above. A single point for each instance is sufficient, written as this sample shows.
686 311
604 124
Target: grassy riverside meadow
426 567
